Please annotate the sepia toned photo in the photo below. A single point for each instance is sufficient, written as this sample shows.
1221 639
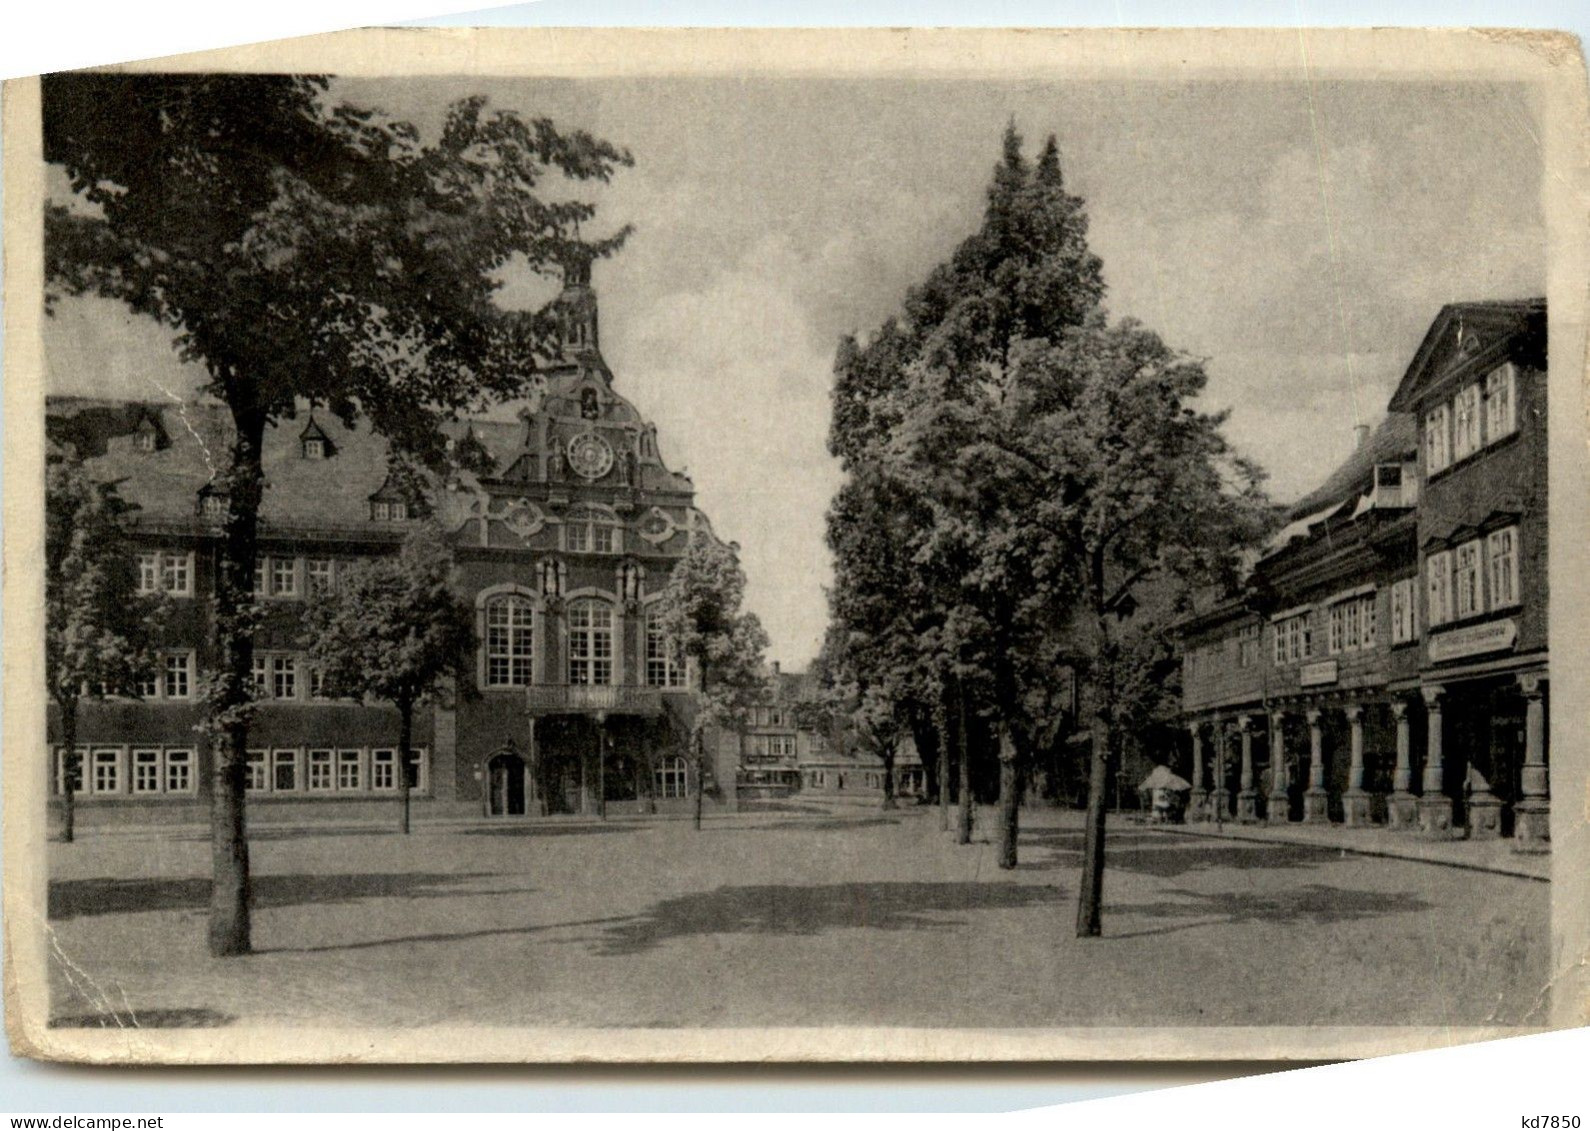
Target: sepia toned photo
796 546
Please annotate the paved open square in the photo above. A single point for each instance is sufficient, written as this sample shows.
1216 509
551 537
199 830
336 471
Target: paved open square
797 916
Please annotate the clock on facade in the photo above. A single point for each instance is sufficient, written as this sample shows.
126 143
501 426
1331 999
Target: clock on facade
590 456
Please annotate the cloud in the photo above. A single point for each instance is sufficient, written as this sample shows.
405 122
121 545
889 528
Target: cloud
736 376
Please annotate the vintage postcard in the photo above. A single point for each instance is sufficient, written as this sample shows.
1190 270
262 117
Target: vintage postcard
797 545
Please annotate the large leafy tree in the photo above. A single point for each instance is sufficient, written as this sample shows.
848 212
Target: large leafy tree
303 249
701 618
99 633
1143 493
913 419
394 631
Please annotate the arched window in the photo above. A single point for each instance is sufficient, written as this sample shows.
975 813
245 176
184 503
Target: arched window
592 530
673 779
508 644
590 642
662 668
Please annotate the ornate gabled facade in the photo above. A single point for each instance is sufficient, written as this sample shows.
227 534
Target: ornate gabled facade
565 528
1386 662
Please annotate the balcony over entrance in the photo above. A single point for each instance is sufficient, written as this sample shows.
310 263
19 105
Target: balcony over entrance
575 698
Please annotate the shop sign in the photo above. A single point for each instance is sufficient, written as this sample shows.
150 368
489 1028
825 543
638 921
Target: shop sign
1474 640
1321 671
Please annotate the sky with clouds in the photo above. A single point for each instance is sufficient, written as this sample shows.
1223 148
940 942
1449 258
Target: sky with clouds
1299 236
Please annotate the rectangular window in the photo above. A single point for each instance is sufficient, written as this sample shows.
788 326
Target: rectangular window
1501 414
284 771
1337 639
1466 580
380 511
578 537
1248 646
261 677
213 506
381 769
1437 440
1438 588
284 577
400 511
284 677
107 771
149 573
672 778
261 576
1466 422
146 771
176 574
179 771
317 685
1502 559
256 777
147 687
179 675
1404 626
662 670
321 777
350 770
601 538
320 577
72 766
417 774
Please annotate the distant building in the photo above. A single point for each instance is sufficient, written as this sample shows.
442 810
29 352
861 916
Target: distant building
564 537
1387 661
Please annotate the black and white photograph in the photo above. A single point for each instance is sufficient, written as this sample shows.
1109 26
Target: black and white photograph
796 545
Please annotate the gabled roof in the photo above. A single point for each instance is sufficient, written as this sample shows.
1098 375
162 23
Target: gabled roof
1491 321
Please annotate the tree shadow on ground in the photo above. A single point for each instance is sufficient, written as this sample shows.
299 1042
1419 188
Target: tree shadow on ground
834 824
295 832
1166 857
196 1017
788 910
1314 905
536 830
72 899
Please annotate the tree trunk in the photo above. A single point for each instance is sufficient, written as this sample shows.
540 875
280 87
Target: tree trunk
231 698
405 745
69 767
601 770
1009 811
1091 897
698 745
942 720
888 776
963 832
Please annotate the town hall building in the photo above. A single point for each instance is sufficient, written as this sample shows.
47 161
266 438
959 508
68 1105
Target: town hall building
564 535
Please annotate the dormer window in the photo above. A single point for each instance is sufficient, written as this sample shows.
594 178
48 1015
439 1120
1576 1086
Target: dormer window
212 504
144 441
313 441
389 510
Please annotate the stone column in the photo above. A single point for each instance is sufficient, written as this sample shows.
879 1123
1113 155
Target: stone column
1402 812
1220 796
1355 802
1316 800
1435 807
1247 796
1198 803
1280 803
1532 814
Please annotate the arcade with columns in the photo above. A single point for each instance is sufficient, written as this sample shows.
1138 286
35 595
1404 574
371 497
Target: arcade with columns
1436 759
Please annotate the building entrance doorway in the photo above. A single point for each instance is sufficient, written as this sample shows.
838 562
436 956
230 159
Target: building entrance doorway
507 786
